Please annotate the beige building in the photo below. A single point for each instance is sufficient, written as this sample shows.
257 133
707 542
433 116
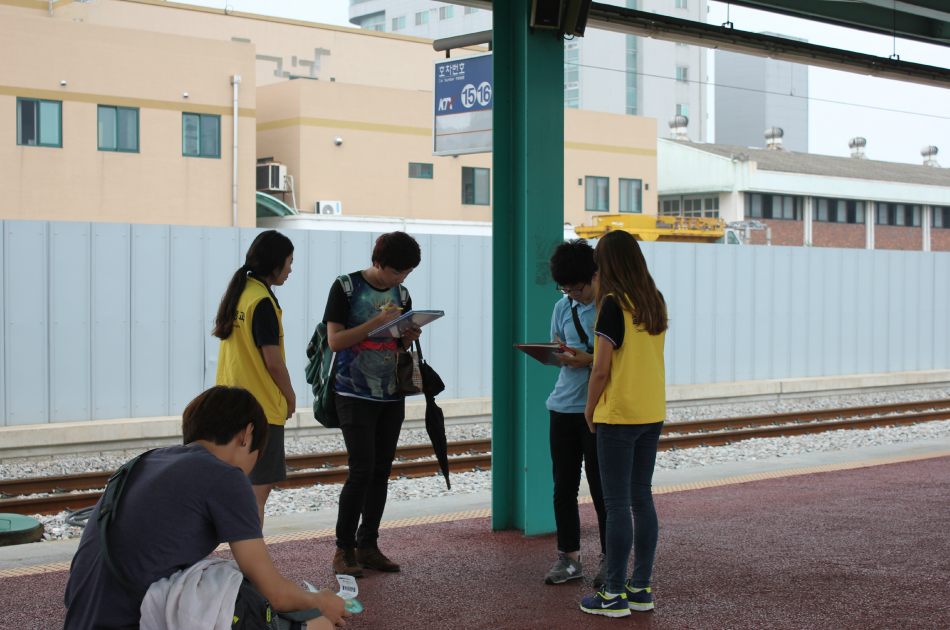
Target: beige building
71 80
126 144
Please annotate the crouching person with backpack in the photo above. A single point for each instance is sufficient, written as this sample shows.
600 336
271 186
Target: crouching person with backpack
368 405
142 558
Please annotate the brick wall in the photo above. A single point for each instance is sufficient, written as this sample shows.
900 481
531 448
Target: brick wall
939 239
895 237
846 235
784 232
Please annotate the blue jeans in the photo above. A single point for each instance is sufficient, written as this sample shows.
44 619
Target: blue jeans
627 454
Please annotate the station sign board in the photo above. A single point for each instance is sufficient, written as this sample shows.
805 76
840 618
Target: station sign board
462 105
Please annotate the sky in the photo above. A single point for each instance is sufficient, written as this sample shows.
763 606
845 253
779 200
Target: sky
892 136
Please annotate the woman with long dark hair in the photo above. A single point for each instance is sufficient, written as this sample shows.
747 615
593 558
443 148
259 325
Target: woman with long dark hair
626 408
252 348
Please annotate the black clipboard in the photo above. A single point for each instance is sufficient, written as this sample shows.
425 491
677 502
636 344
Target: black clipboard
545 353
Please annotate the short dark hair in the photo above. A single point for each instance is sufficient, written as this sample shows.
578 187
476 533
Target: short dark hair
397 250
573 263
220 413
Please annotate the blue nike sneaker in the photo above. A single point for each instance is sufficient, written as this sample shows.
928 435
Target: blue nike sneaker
616 606
638 598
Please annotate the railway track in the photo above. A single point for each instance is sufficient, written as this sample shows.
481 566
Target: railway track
475 454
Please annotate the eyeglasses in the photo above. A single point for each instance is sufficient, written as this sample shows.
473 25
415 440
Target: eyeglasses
571 291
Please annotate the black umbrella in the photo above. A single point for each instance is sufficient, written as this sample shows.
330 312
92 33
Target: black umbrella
432 386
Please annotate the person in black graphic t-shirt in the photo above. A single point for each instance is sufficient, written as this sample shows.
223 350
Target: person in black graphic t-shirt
371 411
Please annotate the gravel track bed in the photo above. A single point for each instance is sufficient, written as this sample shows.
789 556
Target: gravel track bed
301 500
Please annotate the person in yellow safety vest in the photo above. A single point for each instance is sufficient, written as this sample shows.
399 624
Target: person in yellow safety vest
252 349
626 408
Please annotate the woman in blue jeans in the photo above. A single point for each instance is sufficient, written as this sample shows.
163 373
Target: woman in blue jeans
626 407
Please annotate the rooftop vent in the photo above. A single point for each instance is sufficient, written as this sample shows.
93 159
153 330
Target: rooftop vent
930 156
857 148
773 138
678 126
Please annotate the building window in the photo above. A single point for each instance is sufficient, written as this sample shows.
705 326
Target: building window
470 10
682 74
201 135
597 194
118 129
940 216
420 171
422 17
571 75
632 75
374 22
712 207
630 195
670 207
476 186
778 207
899 214
839 211
399 23
681 4
39 123
682 109
447 13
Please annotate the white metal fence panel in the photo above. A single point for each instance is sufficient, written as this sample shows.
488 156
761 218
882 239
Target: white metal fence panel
112 320
754 313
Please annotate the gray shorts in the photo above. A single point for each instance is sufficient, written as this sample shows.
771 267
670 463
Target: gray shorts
271 467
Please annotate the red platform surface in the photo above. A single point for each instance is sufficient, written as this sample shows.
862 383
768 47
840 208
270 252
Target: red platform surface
866 548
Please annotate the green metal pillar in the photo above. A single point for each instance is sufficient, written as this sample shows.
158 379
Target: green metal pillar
527 223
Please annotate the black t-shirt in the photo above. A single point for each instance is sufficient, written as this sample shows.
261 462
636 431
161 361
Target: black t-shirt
266 329
179 504
338 305
610 322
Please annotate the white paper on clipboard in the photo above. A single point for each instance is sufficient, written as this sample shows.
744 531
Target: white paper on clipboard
407 320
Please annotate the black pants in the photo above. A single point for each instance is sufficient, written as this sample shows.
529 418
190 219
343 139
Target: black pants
571 443
371 431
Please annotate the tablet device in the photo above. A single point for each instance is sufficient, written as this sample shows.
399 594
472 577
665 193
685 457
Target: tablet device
546 353
407 320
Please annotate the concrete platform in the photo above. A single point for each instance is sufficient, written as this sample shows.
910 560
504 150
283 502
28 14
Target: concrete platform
863 545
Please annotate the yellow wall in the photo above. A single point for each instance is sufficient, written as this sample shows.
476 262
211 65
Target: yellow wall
383 130
111 66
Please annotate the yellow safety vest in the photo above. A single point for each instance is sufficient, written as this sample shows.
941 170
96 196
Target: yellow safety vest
636 386
240 362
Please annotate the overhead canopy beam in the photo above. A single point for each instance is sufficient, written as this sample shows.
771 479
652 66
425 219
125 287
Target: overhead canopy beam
921 20
643 24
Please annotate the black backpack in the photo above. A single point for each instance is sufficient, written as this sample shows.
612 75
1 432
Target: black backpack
252 611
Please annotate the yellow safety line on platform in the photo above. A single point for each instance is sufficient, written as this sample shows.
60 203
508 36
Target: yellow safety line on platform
461 516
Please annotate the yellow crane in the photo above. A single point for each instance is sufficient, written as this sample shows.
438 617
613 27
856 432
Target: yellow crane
645 227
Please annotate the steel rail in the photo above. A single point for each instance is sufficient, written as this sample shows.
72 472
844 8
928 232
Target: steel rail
690 434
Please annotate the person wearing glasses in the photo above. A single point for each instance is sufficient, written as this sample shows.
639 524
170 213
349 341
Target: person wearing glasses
572 324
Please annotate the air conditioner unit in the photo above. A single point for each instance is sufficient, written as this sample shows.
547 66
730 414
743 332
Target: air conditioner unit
272 177
329 207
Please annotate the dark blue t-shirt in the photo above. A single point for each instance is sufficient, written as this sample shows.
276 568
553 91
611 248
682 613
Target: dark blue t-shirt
179 504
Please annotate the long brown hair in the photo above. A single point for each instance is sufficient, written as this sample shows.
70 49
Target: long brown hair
267 255
622 272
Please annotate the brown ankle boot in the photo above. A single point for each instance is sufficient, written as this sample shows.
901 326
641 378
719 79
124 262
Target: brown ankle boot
373 558
344 563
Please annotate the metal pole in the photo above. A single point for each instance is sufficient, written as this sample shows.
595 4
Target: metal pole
870 219
235 81
527 223
925 228
768 236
